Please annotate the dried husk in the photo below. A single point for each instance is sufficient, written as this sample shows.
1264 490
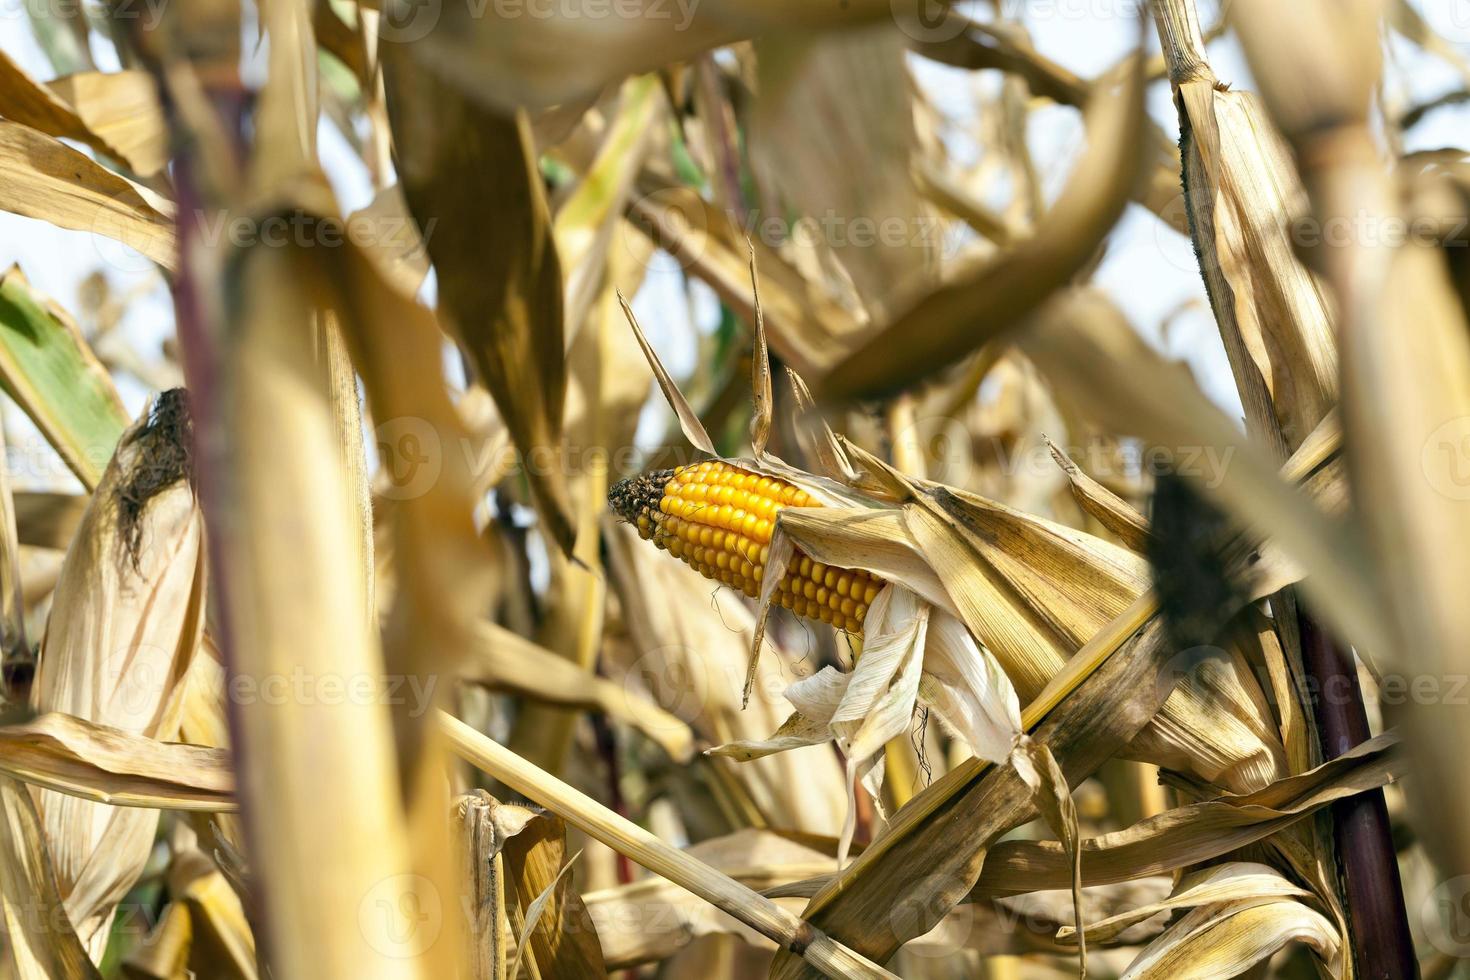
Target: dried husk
125 624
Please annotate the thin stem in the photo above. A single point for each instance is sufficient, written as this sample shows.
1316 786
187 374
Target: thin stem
680 867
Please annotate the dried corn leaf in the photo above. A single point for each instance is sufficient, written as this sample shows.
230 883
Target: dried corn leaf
48 520
43 178
285 118
555 926
934 848
545 61
757 858
500 280
588 221
506 661
1230 882
829 958
116 114
14 647
940 327
1082 342
808 329
41 944
92 761
1109 509
1245 201
689 421
53 375
392 239
857 173
1220 941
1193 833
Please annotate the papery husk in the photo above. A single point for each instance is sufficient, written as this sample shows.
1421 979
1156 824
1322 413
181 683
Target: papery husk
691 661
125 623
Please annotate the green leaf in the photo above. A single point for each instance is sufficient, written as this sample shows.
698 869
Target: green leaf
49 370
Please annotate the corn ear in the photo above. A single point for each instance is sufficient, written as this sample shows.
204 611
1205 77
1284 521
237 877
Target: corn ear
718 519
125 624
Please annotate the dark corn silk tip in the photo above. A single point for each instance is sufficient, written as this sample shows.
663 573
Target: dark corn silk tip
639 494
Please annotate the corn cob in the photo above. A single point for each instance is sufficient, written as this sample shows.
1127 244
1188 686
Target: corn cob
718 519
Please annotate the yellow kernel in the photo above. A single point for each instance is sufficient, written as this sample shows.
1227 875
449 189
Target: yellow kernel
844 584
831 578
762 531
822 595
765 555
805 567
869 594
819 572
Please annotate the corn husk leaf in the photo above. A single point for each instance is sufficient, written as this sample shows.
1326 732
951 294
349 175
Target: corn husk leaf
125 623
690 660
41 942
935 846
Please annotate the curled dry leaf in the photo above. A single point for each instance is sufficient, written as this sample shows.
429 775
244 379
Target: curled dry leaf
41 177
